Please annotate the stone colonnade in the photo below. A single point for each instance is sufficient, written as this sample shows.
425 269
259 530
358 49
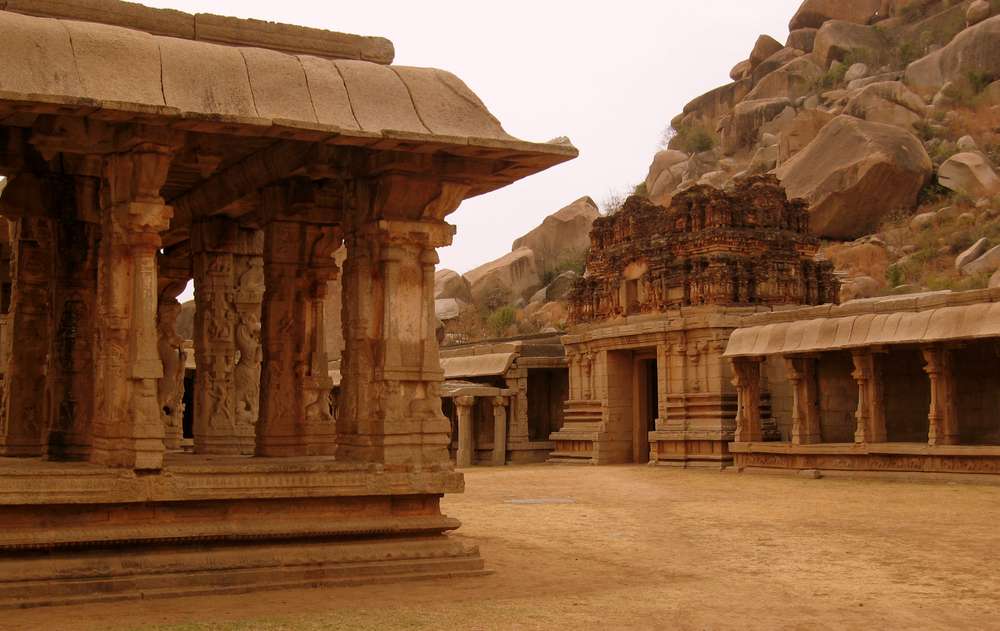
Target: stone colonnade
870 415
97 366
464 406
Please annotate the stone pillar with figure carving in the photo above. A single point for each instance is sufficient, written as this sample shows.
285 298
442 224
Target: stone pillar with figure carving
301 234
228 285
24 411
128 430
71 363
390 404
173 274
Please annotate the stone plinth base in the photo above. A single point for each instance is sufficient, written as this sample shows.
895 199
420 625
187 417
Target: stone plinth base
668 450
889 457
77 532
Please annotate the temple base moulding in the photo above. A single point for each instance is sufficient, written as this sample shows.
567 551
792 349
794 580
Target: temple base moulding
874 457
76 532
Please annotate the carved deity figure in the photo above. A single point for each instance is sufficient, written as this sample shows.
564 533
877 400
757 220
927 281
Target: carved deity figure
170 389
248 367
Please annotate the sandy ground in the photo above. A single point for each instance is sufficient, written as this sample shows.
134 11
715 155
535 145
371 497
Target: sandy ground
646 548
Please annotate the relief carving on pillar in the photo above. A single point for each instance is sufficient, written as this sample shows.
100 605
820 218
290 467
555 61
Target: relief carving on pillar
170 395
247 370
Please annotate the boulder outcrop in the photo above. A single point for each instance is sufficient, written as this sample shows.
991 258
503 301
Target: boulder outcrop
854 173
665 173
512 277
974 50
970 174
888 102
451 284
563 236
814 13
837 41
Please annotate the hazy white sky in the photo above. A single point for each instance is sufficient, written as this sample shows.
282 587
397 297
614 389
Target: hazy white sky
609 75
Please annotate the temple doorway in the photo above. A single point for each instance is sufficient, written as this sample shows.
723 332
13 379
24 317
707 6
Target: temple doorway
646 409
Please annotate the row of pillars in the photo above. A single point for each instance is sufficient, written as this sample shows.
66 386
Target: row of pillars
870 414
465 406
95 368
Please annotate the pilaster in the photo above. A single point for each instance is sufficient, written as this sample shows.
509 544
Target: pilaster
805 412
943 414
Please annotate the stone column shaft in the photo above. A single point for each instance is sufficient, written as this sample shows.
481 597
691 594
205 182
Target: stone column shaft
228 285
466 444
748 392
71 363
943 414
25 413
296 418
499 431
870 414
390 408
128 431
805 415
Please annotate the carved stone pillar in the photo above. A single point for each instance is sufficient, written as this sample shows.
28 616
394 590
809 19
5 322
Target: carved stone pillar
296 415
870 414
943 415
499 431
390 408
174 271
24 407
586 368
128 431
805 413
228 285
466 444
71 364
748 394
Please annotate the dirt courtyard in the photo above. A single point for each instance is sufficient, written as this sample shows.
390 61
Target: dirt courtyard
644 548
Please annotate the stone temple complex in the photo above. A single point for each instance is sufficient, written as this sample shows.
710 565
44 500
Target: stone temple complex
664 289
243 155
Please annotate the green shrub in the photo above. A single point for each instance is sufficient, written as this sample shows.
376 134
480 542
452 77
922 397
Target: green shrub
932 193
501 320
692 140
894 276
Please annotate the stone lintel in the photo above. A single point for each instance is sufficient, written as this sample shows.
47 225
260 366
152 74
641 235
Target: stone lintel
207 27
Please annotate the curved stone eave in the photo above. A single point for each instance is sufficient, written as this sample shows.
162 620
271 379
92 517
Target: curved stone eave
75 68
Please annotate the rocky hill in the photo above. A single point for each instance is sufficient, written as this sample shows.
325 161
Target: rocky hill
523 291
884 115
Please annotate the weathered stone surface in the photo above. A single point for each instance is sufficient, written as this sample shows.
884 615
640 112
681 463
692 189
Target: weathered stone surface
792 80
889 102
802 39
665 173
859 287
775 61
741 70
506 279
923 221
449 308
978 11
973 252
707 109
763 48
562 238
855 72
800 131
813 13
854 173
742 127
561 286
765 159
214 28
451 284
970 174
976 49
837 40
988 263
640 258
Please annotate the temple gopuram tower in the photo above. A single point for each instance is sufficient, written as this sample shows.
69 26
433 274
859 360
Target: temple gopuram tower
664 289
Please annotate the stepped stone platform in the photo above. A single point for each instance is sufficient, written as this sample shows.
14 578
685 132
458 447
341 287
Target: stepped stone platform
77 532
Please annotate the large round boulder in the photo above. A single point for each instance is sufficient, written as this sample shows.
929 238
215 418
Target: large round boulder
970 174
764 48
976 50
888 102
814 13
854 174
665 174
562 238
449 284
838 41
792 80
512 277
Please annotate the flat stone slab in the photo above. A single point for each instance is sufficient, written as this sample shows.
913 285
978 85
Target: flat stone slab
541 501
